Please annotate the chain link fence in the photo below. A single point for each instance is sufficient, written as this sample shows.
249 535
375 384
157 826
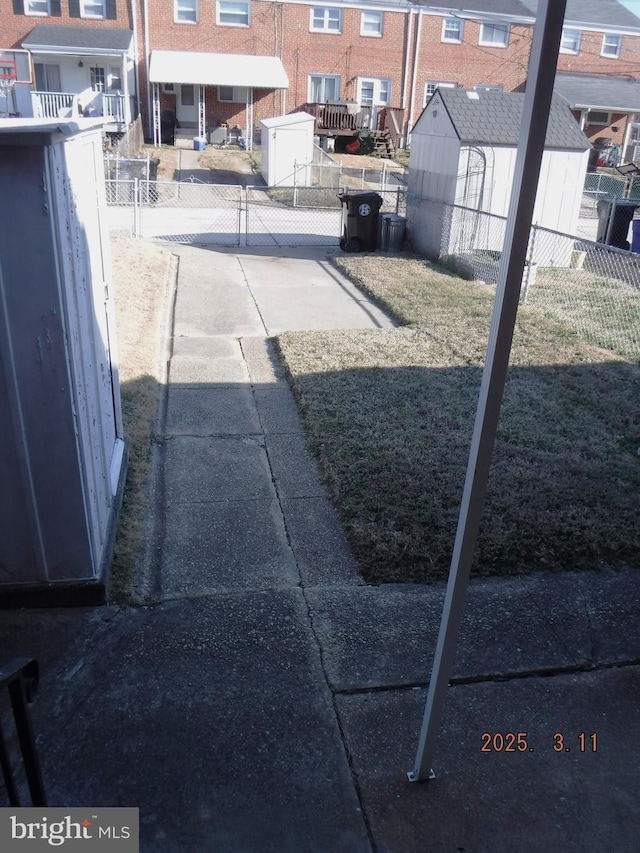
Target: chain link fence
303 216
324 171
173 211
592 287
600 185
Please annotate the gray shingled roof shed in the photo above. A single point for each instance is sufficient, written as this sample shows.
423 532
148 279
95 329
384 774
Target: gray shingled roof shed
463 152
493 118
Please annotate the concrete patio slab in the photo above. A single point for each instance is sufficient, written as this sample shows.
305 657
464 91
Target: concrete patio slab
214 547
300 306
216 469
265 368
194 258
294 470
538 629
202 410
220 347
267 770
204 310
503 801
319 543
207 371
277 410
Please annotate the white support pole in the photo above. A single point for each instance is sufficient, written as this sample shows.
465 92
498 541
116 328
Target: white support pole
535 116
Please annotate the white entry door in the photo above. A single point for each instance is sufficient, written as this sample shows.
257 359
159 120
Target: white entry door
374 92
186 106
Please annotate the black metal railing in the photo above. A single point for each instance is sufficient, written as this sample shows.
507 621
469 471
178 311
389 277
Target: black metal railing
20 677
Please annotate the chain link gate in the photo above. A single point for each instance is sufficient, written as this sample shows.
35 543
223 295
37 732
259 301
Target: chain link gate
190 212
303 216
175 212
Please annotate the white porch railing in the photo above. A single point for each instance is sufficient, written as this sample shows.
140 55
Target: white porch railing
64 105
53 104
113 107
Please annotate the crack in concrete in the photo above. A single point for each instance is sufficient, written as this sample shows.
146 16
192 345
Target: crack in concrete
312 628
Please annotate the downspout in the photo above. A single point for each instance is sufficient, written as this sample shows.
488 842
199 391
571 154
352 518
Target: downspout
145 6
415 72
136 54
405 80
407 50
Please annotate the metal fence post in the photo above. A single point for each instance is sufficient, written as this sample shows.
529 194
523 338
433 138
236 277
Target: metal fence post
137 225
529 267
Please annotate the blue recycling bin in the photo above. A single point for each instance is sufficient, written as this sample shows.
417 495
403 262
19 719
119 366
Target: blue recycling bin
635 240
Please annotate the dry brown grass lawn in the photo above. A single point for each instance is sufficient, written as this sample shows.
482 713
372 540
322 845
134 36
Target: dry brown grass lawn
141 288
390 415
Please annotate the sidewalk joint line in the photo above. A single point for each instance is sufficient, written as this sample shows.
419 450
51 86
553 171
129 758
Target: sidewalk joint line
314 633
489 678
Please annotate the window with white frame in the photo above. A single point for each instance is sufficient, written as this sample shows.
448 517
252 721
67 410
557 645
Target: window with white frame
611 46
92 8
324 19
97 78
233 94
570 41
452 30
37 7
371 23
600 118
494 35
234 13
432 85
185 11
323 88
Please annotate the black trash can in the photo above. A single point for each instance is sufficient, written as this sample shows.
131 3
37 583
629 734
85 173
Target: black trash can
614 219
360 221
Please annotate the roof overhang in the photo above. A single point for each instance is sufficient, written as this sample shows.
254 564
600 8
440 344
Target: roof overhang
217 69
75 51
78 41
593 92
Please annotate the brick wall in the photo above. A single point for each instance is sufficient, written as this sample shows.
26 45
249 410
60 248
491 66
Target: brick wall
283 29
470 63
15 25
589 60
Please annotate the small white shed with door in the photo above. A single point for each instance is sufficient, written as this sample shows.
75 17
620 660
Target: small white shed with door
287 150
463 152
61 450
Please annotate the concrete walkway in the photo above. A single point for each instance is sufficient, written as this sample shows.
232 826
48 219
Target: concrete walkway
265 699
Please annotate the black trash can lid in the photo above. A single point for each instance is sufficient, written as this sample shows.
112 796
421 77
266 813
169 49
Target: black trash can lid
361 196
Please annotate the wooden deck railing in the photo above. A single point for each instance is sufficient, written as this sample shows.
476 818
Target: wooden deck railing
341 117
